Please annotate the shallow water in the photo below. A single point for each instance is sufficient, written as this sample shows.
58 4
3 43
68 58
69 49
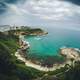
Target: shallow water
49 45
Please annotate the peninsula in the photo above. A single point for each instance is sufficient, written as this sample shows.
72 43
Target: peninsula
68 53
14 61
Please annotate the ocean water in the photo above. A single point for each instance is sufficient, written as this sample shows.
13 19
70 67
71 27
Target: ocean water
49 45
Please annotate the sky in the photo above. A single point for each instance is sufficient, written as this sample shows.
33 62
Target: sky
48 13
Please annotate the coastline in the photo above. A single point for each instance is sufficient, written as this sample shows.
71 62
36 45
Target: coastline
39 67
23 63
46 69
33 65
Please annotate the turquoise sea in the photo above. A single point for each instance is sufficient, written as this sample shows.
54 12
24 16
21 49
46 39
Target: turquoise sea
49 45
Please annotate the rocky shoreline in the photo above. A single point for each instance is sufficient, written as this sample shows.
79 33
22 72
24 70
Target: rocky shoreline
68 53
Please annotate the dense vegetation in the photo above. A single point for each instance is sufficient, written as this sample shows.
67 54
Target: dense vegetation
13 69
10 67
27 30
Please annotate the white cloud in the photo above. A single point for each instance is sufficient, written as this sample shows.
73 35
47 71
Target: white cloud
51 9
45 9
15 9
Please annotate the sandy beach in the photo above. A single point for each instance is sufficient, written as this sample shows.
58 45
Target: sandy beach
68 52
39 67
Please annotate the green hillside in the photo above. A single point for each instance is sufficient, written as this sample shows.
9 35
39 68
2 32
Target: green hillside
13 69
10 67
